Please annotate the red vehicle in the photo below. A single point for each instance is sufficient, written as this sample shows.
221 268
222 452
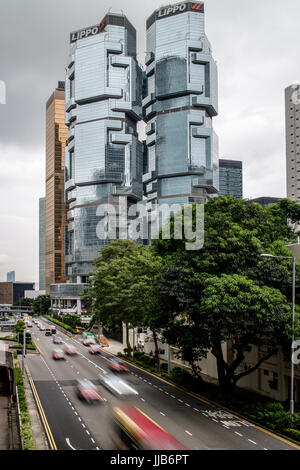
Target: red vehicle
133 429
70 350
95 349
86 390
117 366
58 354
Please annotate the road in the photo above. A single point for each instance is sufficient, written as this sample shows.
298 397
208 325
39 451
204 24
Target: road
77 425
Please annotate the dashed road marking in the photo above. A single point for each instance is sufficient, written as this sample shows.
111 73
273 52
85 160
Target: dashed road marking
189 433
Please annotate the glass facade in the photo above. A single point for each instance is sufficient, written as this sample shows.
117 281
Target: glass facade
42 243
180 99
231 178
104 158
55 207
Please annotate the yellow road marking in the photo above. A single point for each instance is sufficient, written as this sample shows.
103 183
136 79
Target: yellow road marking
42 413
39 350
207 402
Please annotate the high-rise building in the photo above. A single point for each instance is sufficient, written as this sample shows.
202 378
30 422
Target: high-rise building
265 201
292 130
104 157
10 292
42 243
11 276
55 207
180 101
231 178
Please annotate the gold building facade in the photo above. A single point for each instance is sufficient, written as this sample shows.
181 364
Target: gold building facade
56 208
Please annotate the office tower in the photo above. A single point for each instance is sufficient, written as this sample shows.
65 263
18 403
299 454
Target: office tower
181 99
55 207
104 157
10 292
231 178
11 276
42 243
292 115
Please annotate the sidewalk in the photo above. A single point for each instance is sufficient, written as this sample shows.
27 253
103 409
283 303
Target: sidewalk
114 346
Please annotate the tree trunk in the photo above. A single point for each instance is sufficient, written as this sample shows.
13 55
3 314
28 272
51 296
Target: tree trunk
127 339
156 351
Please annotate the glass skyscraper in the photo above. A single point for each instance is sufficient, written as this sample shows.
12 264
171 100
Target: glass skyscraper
231 178
104 158
180 101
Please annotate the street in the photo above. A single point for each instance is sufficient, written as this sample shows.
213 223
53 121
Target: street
77 425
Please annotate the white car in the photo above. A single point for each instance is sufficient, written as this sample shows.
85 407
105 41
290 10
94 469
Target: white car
116 385
42 328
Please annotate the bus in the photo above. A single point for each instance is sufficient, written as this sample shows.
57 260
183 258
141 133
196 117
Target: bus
134 430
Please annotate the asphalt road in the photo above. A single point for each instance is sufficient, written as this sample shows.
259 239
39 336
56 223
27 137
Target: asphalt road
77 425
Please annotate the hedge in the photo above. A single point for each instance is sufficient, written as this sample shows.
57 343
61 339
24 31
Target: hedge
26 431
59 323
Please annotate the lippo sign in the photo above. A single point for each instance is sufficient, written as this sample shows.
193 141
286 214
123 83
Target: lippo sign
87 32
180 8
176 9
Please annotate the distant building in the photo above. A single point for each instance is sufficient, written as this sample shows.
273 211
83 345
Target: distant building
42 243
265 201
10 292
33 294
11 276
55 207
231 178
292 131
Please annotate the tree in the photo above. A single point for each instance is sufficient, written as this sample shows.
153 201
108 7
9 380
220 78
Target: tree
23 303
120 287
227 292
41 305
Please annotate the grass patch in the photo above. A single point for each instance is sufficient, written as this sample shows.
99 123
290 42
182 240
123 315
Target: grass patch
59 323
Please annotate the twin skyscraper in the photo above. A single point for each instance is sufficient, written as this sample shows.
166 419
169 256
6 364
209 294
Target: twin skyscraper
107 93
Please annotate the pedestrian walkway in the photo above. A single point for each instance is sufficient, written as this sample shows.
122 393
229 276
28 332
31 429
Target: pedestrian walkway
4 428
114 346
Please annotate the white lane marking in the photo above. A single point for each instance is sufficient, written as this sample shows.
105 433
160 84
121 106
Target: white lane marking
187 404
87 432
142 399
83 425
188 432
252 441
265 448
167 393
80 419
76 413
180 400
68 442
216 421
225 426
162 413
173 396
97 448
238 433
195 409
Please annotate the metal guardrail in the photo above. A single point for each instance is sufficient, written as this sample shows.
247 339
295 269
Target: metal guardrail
19 418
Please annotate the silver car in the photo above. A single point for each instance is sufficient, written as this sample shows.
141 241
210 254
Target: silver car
116 385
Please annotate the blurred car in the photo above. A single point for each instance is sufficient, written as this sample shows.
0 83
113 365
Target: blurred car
42 328
117 366
29 325
117 386
95 349
88 341
57 339
86 390
70 350
58 354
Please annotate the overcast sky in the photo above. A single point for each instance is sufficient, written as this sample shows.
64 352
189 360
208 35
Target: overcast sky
257 50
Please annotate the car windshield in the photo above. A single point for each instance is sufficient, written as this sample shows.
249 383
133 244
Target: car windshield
86 384
58 351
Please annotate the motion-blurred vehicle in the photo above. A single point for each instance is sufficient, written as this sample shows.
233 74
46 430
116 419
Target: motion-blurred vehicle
57 339
58 354
102 340
70 350
42 328
53 330
48 332
29 324
95 349
117 366
86 390
133 429
117 386
88 338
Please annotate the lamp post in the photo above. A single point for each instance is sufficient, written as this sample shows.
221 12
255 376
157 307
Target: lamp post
265 255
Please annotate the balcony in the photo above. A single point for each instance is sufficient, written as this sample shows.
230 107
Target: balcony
148 100
151 140
150 111
71 133
72 115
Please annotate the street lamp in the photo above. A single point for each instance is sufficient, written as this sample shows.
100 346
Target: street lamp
266 255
